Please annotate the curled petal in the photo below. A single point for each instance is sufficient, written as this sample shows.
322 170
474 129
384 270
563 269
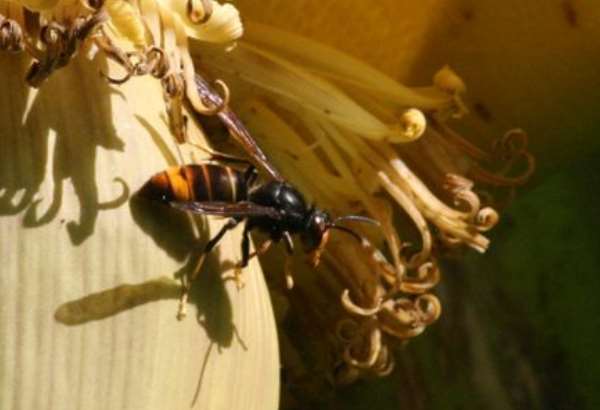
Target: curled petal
404 333
11 35
413 212
400 312
514 140
402 319
428 276
486 219
347 330
346 374
429 308
385 363
223 26
501 180
461 188
199 11
470 199
512 148
217 23
157 62
411 125
380 264
448 81
450 240
458 182
374 348
424 205
352 307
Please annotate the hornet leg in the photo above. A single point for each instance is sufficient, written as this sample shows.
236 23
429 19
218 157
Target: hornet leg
287 269
246 256
237 271
188 279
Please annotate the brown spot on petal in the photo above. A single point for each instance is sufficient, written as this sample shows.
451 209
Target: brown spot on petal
571 16
467 14
483 112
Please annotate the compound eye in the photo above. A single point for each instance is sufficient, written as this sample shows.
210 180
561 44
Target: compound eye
320 224
311 239
313 235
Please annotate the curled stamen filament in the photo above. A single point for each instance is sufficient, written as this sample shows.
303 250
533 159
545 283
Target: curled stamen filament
373 350
428 276
11 35
356 309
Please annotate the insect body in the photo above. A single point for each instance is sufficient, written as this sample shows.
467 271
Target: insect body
201 182
275 207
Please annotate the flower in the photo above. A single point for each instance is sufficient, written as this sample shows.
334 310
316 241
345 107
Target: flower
349 135
356 140
74 149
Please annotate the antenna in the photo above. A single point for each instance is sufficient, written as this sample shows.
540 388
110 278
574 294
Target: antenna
357 218
349 231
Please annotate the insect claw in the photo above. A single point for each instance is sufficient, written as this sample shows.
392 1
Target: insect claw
287 270
182 309
238 278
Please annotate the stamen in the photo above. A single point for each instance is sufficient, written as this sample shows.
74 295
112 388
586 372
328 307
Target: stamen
412 124
346 330
157 62
356 309
374 349
385 363
428 276
60 44
199 11
429 308
174 91
11 35
448 81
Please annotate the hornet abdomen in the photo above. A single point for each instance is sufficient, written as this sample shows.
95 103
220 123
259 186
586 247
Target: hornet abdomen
197 182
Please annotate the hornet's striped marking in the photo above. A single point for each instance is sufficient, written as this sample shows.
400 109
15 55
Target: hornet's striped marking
232 184
197 182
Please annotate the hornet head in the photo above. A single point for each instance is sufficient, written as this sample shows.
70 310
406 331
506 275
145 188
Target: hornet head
315 235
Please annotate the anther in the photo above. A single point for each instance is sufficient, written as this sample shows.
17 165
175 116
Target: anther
199 13
11 35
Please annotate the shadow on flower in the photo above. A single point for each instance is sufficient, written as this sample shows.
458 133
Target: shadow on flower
208 297
57 147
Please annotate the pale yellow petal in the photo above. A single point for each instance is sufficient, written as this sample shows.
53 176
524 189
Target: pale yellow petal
125 19
223 26
520 61
38 5
86 283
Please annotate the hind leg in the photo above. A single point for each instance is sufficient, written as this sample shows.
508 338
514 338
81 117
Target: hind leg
186 280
